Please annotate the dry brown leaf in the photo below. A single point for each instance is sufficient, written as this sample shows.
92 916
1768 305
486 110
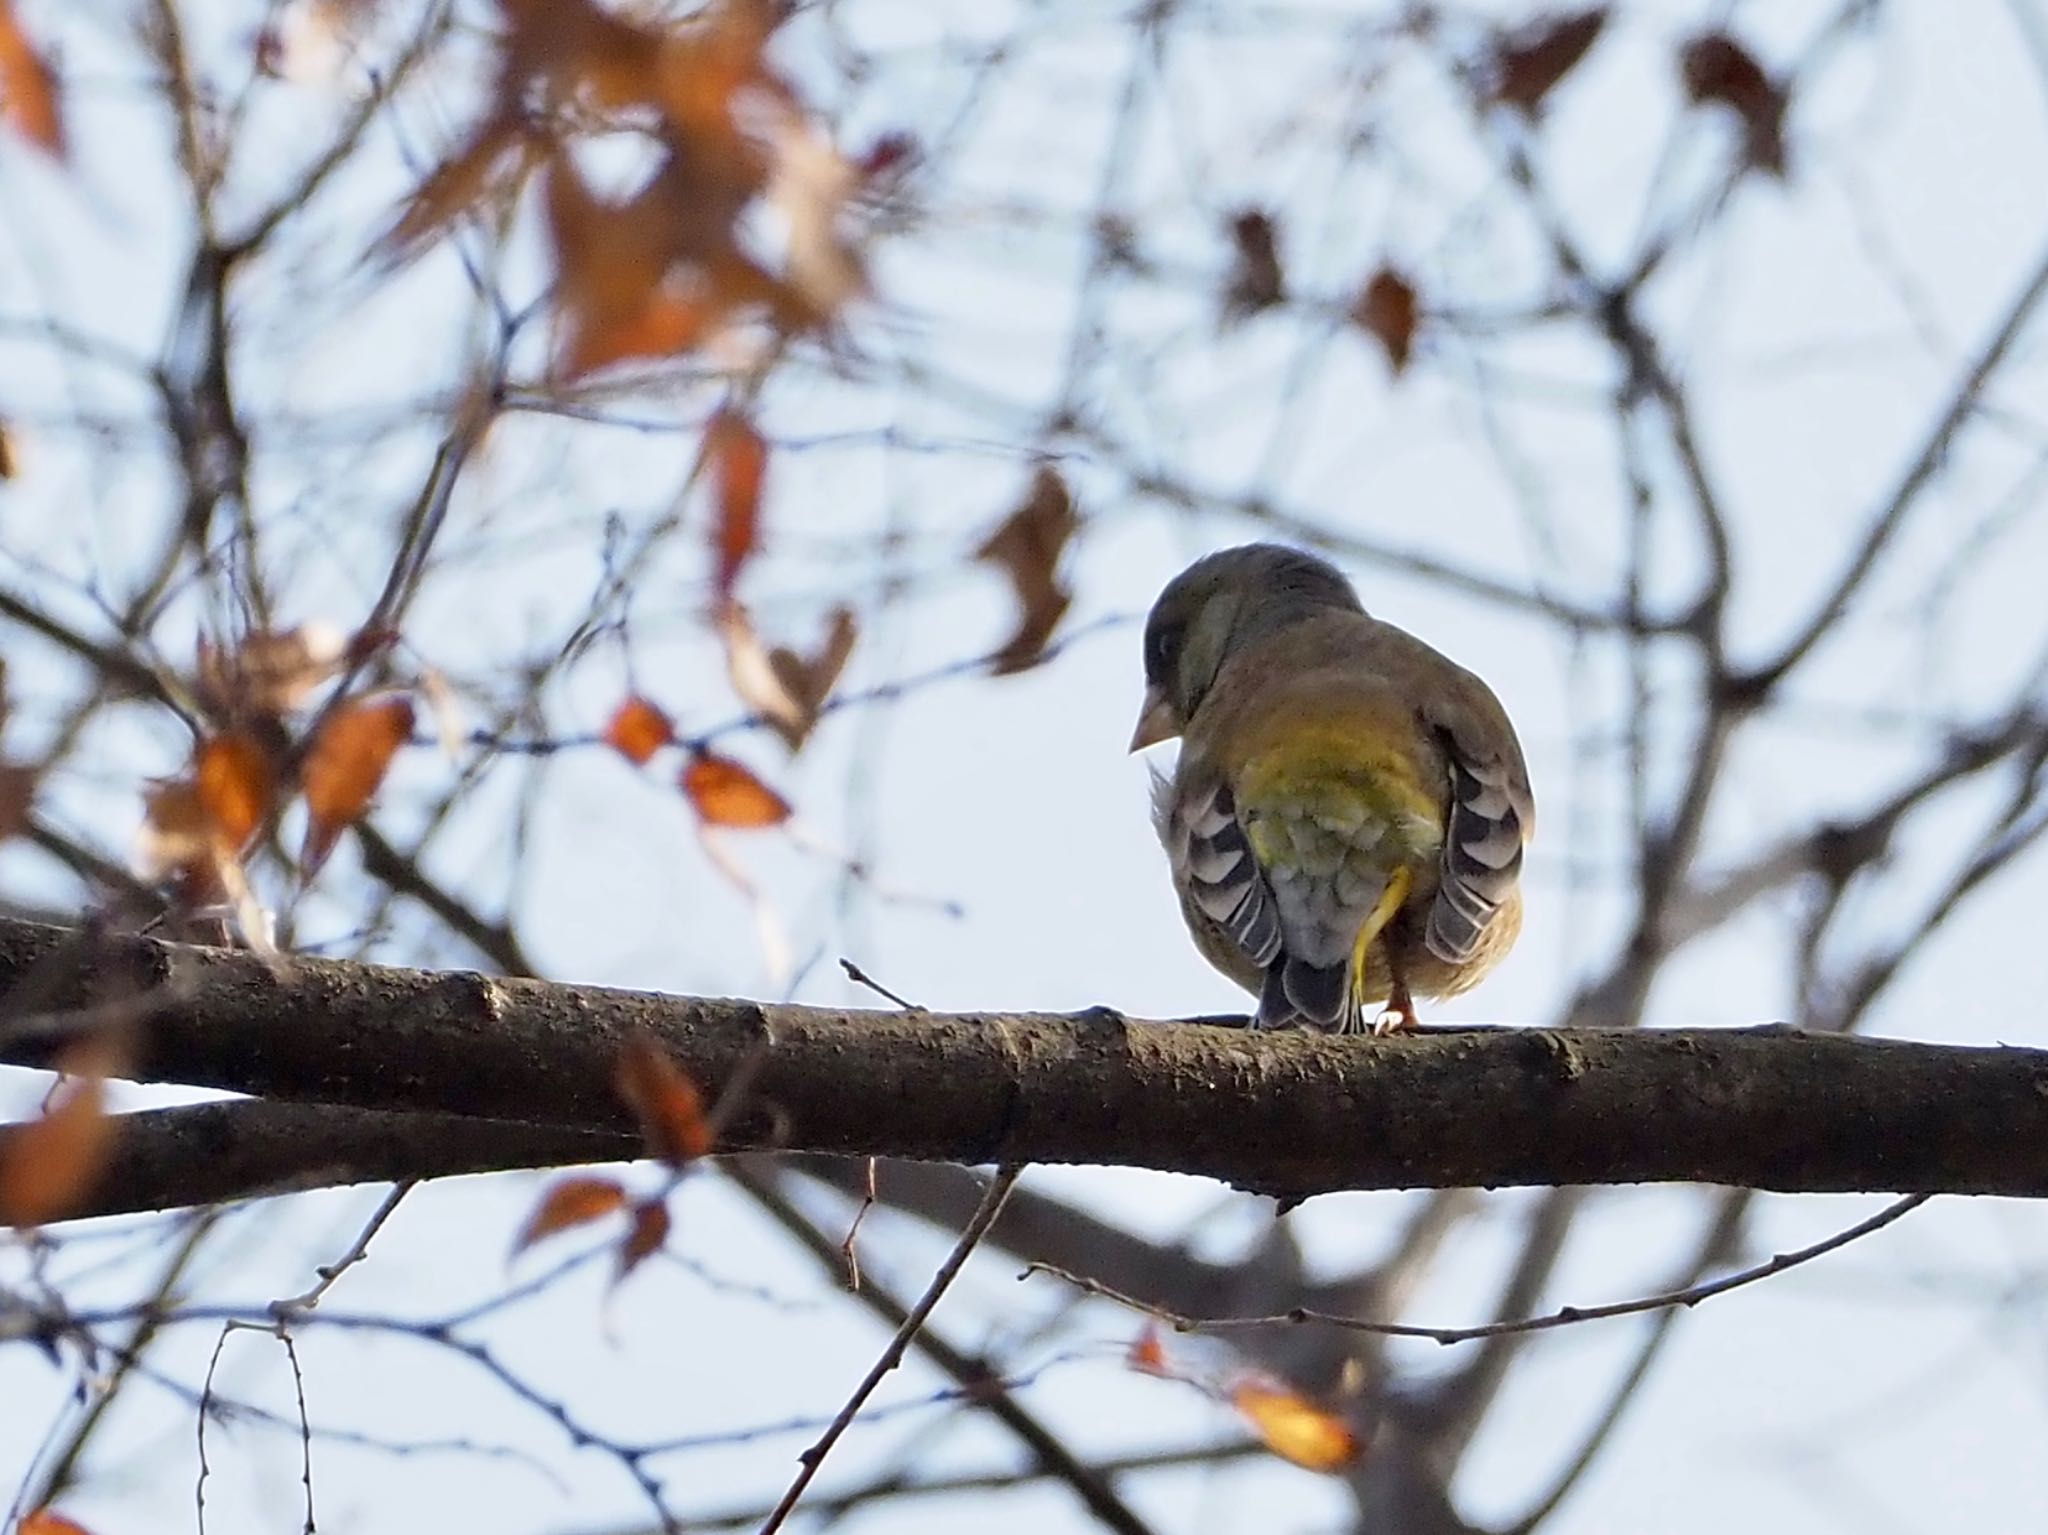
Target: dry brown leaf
1256 280
1529 65
17 794
1027 548
726 793
641 278
739 469
646 1237
47 1521
811 185
9 465
28 91
49 1165
786 689
571 1201
665 1101
638 729
1719 70
708 65
1388 309
584 50
177 830
273 672
488 170
233 778
345 766
809 679
1296 1429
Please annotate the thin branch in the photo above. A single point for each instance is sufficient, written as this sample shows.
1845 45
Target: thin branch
892 1356
1564 1316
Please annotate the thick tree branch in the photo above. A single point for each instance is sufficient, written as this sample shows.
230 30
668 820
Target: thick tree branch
1290 1113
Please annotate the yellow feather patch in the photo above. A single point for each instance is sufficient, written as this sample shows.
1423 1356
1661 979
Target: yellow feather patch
1342 771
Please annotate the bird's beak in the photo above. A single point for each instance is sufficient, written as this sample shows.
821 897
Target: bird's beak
1155 721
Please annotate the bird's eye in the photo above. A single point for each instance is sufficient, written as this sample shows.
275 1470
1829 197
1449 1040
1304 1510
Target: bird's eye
1161 646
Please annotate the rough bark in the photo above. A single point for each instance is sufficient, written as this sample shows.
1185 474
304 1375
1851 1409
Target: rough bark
1767 1108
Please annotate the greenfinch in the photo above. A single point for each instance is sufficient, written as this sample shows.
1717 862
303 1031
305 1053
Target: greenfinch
1346 820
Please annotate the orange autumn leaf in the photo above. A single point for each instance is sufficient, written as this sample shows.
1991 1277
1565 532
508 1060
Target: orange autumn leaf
47 1521
48 1166
726 793
1388 309
1295 1429
347 762
646 1237
739 466
233 778
575 1200
638 730
1147 1355
662 325
177 830
615 297
666 1102
1027 548
28 91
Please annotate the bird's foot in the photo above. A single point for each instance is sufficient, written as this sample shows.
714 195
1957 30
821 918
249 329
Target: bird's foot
1398 1016
1395 1020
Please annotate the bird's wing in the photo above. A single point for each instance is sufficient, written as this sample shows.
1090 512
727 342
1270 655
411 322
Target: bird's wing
1492 814
1213 863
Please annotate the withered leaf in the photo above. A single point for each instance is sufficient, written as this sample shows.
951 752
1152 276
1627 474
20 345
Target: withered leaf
1530 64
726 793
1256 280
1027 548
571 1201
708 64
665 1101
271 672
28 91
1147 1355
612 261
48 1166
17 793
638 730
644 1238
47 1521
236 784
1718 70
739 468
1388 309
177 830
487 170
9 467
1295 1428
811 186
786 689
345 766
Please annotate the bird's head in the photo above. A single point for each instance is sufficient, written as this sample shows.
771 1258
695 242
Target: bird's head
1211 610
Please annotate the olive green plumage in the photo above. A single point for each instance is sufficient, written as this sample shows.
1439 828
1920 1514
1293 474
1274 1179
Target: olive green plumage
1346 820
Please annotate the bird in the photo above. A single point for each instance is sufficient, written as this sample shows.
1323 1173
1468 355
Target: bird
1346 819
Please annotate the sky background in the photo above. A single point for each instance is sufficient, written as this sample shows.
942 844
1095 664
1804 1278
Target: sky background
1902 1385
